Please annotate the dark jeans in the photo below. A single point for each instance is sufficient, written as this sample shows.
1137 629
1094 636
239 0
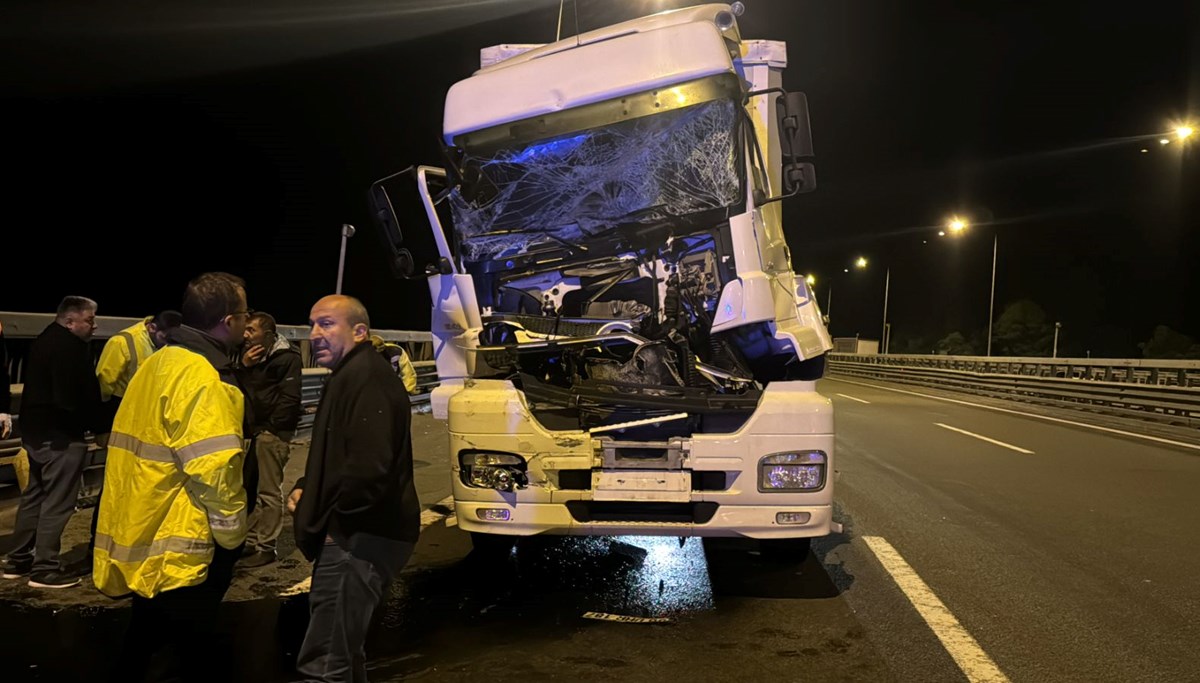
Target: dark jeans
47 503
183 619
350 579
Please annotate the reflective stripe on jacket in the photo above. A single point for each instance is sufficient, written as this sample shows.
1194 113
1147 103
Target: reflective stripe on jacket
173 479
122 354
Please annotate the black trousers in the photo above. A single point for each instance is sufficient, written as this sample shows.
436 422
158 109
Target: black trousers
47 503
182 620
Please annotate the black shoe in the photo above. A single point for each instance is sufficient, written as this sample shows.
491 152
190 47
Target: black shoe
53 580
17 570
259 558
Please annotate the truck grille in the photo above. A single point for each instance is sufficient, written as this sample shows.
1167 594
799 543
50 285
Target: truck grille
586 511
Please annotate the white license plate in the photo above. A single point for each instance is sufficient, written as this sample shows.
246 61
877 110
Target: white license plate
641 485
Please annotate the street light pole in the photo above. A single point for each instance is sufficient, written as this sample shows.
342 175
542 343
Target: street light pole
992 300
347 232
883 339
1057 327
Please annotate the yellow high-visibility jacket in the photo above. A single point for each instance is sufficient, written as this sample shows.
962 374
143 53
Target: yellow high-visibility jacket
398 357
173 480
123 353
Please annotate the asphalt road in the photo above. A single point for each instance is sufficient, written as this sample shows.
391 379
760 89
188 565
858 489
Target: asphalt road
1075 562
1058 554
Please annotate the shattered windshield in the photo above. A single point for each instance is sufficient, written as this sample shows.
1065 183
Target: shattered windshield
564 189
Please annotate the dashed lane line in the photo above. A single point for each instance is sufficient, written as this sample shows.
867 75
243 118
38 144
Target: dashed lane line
1110 430
853 398
984 438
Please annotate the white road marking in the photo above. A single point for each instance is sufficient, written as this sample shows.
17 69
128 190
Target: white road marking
852 398
1110 430
427 517
984 438
966 652
452 520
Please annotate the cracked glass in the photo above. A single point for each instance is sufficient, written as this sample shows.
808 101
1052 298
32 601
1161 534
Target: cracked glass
562 190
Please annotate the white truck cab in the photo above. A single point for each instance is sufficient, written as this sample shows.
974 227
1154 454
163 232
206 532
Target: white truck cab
622 345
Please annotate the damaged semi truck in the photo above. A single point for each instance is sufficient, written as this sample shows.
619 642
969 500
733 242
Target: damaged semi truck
622 345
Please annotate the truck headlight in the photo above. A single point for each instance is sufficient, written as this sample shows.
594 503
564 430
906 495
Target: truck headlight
493 470
794 471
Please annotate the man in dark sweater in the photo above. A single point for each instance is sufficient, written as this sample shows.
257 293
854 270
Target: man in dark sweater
271 376
60 401
357 514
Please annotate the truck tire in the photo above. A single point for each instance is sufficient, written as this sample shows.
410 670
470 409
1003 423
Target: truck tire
492 546
793 550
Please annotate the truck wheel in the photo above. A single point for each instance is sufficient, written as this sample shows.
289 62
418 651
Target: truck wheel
496 546
785 549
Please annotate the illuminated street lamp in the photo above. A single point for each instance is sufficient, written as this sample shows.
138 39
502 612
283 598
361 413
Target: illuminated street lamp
995 249
1184 132
859 263
811 279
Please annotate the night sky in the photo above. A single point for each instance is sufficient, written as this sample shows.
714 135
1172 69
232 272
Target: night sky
245 137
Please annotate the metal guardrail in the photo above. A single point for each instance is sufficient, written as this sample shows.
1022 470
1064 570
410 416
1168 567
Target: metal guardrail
26 326
1184 373
1043 381
314 382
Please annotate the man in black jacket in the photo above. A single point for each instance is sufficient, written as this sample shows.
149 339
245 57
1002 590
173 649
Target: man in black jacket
271 376
357 514
60 401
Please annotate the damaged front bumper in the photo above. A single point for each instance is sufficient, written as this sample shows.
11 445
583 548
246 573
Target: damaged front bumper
600 483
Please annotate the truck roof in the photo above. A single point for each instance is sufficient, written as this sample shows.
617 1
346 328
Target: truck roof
626 58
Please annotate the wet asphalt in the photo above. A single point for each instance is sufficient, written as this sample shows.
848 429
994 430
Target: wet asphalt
721 612
1071 562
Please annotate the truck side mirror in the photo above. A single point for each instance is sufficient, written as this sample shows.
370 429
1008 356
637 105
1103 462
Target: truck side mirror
394 200
400 259
799 174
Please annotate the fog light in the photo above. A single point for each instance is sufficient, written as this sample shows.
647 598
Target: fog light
792 517
493 514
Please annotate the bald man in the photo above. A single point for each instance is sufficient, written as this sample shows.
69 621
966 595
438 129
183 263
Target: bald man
357 514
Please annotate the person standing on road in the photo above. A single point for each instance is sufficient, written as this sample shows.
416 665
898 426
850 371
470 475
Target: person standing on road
398 357
271 375
173 516
123 353
357 513
60 402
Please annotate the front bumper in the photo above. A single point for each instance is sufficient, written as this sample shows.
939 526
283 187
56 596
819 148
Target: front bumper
748 521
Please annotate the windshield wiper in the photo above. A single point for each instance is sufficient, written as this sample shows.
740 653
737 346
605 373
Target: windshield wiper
568 245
